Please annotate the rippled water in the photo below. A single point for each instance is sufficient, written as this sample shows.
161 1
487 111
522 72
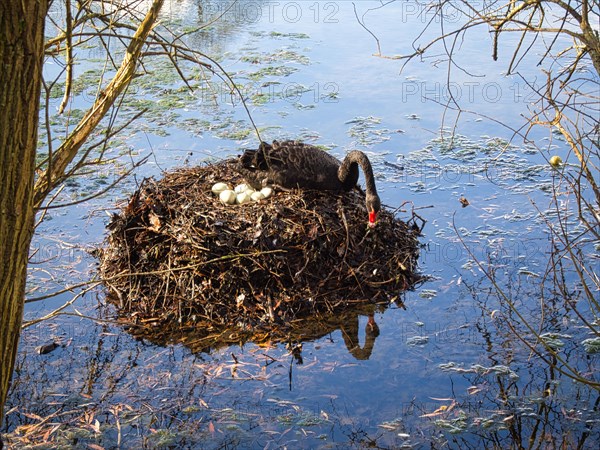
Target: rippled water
442 372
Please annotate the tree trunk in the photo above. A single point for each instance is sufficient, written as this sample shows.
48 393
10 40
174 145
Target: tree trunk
21 60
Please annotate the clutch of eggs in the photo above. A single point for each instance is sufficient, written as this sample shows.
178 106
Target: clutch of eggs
242 193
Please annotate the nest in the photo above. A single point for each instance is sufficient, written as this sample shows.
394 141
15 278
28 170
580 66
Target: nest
176 255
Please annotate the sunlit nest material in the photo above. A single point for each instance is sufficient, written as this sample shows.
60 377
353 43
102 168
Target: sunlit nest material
176 255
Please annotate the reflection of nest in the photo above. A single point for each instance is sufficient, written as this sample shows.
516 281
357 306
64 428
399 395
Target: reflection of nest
358 341
177 255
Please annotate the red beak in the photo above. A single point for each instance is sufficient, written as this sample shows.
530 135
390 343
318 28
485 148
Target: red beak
372 219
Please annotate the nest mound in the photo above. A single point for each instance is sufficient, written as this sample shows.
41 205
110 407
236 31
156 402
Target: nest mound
176 254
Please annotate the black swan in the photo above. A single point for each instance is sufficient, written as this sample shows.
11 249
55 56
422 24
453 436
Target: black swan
293 164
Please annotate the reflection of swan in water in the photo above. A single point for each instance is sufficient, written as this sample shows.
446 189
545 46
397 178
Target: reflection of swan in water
350 335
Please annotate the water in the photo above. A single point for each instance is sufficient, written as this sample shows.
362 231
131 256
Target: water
443 372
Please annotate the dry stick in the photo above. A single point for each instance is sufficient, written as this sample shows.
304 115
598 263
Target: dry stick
351 269
573 374
366 29
582 204
62 291
451 63
48 131
343 215
512 64
421 50
45 211
554 39
57 310
84 316
47 122
69 57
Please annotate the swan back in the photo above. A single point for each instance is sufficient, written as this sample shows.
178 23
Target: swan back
292 164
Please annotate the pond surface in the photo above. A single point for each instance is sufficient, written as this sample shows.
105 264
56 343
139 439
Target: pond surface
443 372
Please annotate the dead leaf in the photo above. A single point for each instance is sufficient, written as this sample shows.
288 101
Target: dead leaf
154 221
442 409
473 390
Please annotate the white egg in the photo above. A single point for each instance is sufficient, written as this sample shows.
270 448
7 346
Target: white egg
243 188
243 197
257 195
266 191
227 196
220 187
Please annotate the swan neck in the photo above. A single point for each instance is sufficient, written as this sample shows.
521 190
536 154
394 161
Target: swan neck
358 157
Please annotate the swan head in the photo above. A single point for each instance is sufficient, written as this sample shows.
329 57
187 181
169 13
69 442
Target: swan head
373 207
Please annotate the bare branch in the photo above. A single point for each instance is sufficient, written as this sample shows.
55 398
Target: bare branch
68 150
